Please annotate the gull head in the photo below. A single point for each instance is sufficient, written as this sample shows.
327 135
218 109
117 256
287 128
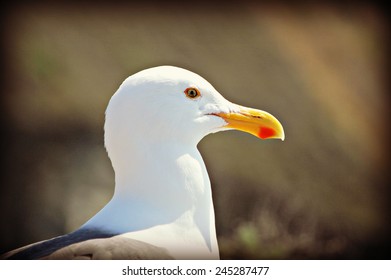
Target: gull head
174 105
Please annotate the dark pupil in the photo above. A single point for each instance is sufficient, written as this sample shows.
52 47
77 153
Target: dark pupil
192 93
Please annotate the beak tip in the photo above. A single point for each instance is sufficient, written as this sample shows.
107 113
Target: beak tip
282 136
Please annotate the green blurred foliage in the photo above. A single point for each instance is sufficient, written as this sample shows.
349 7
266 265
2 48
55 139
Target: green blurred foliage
319 68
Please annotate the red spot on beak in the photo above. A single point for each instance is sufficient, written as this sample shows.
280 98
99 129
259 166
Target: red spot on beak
266 132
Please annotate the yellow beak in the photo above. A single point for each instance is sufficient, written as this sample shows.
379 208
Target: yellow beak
256 122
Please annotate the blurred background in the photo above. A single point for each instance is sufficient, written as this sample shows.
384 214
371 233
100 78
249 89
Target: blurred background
320 69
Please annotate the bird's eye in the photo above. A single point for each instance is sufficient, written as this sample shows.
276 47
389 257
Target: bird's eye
192 93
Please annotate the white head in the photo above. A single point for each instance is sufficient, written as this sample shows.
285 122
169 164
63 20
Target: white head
171 104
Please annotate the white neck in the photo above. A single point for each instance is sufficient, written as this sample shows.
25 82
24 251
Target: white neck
163 197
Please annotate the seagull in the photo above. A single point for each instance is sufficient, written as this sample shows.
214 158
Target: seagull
162 206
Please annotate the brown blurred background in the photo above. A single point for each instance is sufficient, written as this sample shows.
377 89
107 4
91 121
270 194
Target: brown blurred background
321 69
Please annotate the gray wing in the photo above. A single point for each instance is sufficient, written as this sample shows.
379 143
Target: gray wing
88 244
113 248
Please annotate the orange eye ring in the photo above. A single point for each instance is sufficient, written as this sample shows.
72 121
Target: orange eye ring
192 92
